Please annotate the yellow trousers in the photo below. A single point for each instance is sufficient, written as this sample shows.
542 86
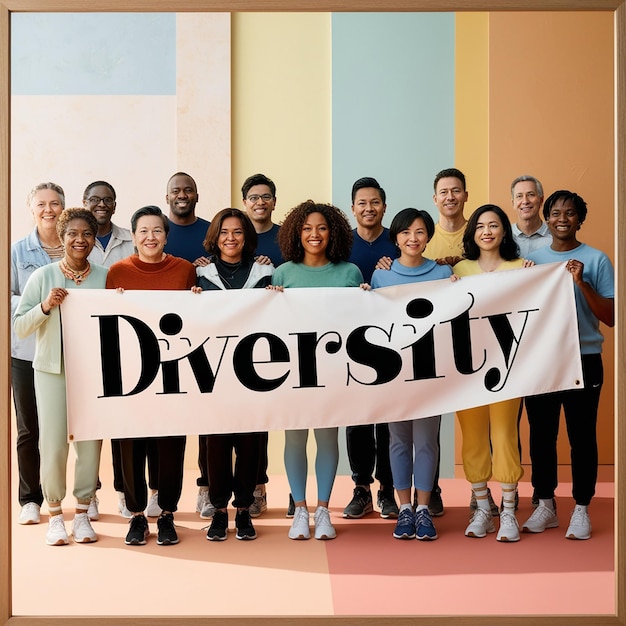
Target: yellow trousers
490 442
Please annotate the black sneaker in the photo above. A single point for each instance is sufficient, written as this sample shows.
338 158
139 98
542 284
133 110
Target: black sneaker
435 508
360 505
138 531
387 504
219 527
166 535
243 524
291 509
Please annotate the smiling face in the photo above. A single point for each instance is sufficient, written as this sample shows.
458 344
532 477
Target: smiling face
231 240
412 241
182 196
149 238
315 236
259 204
489 232
78 242
526 201
368 208
46 207
563 221
450 197
101 203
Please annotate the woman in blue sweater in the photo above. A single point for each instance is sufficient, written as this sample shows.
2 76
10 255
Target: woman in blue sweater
413 446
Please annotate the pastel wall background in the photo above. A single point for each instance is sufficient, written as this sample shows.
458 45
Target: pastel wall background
316 101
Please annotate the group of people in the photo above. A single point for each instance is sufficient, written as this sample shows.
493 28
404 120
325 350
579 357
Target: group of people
315 246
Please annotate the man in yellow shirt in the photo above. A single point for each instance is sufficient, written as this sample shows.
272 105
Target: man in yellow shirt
450 198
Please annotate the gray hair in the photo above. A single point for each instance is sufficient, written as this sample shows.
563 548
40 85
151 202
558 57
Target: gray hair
521 179
57 188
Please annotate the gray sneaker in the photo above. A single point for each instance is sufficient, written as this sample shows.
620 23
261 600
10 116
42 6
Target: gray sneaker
260 503
360 505
495 511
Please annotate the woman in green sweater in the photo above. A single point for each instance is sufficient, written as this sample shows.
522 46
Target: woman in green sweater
315 240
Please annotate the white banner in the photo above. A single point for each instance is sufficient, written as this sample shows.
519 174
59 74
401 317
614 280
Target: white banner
150 363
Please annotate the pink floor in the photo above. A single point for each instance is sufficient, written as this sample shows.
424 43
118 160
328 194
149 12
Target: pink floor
362 572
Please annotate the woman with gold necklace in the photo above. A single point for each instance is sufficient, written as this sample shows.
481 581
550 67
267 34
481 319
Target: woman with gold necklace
38 312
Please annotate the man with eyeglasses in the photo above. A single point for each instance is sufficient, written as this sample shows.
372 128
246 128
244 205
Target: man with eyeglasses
258 193
113 243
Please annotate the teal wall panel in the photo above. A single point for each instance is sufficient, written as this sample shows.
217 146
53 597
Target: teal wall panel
392 104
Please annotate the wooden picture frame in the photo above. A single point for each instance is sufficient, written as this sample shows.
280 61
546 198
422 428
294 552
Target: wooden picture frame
617 7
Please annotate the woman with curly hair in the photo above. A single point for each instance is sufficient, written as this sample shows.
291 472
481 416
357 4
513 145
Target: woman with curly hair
315 241
490 436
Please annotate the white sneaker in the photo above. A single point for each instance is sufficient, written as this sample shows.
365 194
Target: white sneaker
57 535
480 524
323 528
509 529
92 511
541 519
300 525
153 509
579 524
82 530
121 505
30 514
202 498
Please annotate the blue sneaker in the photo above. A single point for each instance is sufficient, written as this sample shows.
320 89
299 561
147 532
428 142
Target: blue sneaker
405 526
424 528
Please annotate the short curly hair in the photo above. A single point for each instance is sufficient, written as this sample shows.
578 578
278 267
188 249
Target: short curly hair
75 214
340 232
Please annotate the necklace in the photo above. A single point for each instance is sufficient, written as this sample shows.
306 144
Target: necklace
222 266
77 276
227 271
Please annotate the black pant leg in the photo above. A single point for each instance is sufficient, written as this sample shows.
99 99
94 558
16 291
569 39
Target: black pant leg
28 460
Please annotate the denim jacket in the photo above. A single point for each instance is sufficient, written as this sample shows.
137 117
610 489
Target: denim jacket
26 256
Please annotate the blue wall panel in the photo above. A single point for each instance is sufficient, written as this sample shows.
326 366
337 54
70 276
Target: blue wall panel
93 53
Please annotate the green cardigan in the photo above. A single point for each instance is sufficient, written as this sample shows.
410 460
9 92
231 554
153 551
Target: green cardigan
29 317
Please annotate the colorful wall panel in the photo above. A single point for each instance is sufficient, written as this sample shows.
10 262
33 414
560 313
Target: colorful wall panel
128 98
318 100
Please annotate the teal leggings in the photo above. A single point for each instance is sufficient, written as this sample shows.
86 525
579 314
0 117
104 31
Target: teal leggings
326 461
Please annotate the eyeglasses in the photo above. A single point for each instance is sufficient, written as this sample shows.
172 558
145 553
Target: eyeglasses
266 197
95 200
